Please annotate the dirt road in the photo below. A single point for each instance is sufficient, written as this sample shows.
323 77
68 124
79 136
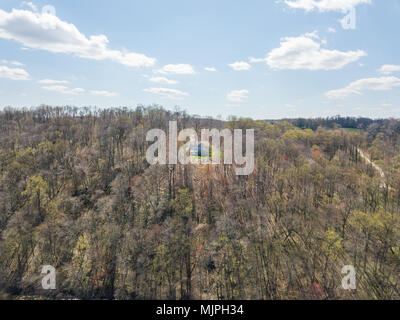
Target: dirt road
375 166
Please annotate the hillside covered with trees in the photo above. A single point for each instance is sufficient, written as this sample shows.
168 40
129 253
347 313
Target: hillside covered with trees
77 193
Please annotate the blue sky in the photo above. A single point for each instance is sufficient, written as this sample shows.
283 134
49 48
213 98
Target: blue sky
257 58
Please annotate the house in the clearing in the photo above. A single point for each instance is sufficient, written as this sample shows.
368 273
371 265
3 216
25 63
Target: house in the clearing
200 150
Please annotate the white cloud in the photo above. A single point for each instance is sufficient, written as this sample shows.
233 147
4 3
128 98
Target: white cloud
13 73
51 81
237 95
48 32
240 66
163 80
211 69
167 93
341 93
356 87
75 91
63 89
389 68
331 30
304 53
103 93
14 63
312 35
256 60
30 5
177 69
325 5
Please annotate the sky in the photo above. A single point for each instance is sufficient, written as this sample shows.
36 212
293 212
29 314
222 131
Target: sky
264 59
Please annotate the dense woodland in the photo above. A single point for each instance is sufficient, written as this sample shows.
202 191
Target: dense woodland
77 193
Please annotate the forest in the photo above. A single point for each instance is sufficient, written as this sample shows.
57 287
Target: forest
77 193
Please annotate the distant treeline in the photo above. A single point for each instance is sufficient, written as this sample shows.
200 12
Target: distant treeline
45 112
332 122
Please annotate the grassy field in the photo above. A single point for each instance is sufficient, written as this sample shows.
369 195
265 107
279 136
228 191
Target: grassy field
353 129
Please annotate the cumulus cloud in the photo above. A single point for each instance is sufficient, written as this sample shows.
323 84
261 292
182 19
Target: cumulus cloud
13 73
240 66
72 91
237 95
30 5
312 35
167 93
177 69
389 68
47 32
256 60
211 69
14 63
306 53
356 87
325 5
64 90
103 93
163 80
51 81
